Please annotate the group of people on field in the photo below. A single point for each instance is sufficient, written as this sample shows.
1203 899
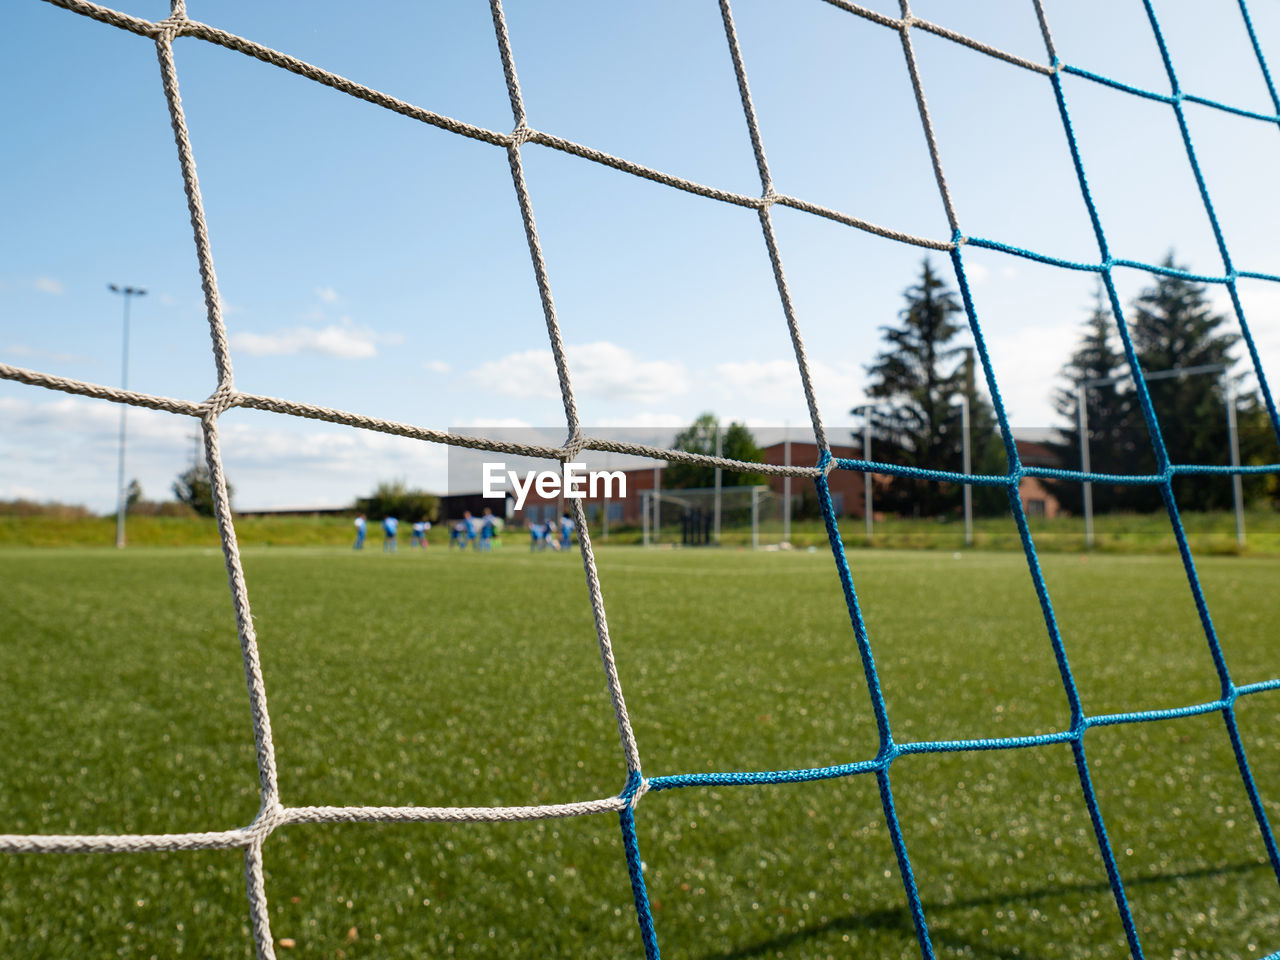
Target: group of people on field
550 534
390 533
471 532
476 533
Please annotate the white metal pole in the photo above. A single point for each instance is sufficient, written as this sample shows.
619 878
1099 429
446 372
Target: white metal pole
1082 406
604 506
655 504
786 484
644 517
966 455
719 448
866 477
121 502
755 518
127 293
1237 486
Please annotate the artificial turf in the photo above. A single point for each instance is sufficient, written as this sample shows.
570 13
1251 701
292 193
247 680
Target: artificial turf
442 679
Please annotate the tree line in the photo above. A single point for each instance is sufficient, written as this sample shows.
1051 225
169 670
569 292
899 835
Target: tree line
918 379
921 378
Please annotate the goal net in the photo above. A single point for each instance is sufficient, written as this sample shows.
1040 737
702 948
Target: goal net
1050 66
738 516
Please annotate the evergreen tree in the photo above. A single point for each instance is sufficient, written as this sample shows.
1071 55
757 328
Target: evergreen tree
736 443
1174 327
986 454
921 376
1116 433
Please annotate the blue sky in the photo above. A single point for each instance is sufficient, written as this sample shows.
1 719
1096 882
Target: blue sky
375 264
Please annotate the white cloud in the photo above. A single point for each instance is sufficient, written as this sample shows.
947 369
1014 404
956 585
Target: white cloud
492 423
335 340
48 285
775 385
327 294
32 354
977 273
529 373
608 369
1027 364
1261 302
436 366
599 369
64 448
643 421
761 375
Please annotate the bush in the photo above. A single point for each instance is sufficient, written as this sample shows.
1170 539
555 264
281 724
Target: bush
394 499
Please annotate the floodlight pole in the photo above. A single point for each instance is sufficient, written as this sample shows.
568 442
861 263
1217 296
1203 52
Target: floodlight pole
1237 486
755 518
655 505
128 293
644 517
866 477
604 505
866 455
968 487
966 444
1082 414
786 484
716 511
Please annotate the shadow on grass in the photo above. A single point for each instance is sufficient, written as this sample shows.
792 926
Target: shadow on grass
899 919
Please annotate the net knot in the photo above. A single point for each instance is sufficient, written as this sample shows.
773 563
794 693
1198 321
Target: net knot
573 446
270 816
221 400
639 792
521 134
175 26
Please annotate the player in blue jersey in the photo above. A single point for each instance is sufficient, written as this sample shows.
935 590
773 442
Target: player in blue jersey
566 532
362 528
389 527
539 531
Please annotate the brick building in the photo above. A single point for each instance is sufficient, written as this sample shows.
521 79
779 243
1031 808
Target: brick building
1036 498
846 486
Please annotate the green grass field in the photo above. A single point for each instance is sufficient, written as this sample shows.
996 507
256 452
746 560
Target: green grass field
470 679
1208 533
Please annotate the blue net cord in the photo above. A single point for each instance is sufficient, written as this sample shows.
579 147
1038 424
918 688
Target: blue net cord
635 869
1080 722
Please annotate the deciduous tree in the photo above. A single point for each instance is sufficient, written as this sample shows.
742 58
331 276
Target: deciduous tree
736 443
